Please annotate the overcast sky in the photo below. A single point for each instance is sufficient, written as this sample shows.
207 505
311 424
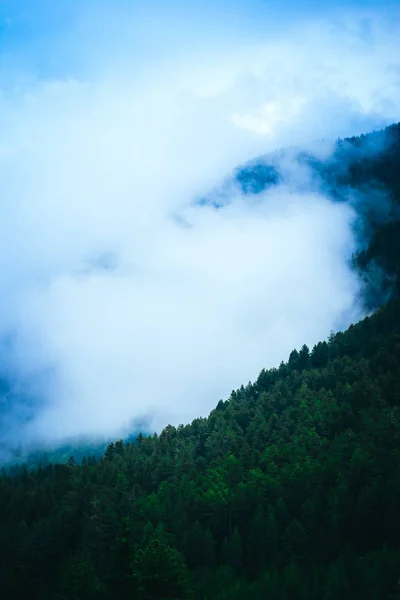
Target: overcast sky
124 299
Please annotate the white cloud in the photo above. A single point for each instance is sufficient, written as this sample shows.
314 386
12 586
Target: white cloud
99 169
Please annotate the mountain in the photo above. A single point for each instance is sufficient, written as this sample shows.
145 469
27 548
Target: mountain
362 171
290 489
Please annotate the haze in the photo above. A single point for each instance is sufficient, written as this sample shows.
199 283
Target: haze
124 299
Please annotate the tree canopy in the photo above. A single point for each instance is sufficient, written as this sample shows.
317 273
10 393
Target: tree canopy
289 490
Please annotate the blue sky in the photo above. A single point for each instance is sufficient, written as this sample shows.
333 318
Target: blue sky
114 118
35 35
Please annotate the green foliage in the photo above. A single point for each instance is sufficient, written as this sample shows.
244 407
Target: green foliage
290 489
78 580
160 573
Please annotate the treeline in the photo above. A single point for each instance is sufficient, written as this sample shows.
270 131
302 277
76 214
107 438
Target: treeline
290 489
367 162
364 171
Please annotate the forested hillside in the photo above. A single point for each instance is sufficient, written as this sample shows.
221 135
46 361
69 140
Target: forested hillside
289 490
363 171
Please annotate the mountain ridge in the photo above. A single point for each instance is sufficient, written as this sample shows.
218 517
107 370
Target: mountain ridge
363 166
288 490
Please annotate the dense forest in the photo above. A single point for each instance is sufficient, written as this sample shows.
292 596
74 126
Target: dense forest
289 490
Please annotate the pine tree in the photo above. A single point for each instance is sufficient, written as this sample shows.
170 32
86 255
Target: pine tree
160 573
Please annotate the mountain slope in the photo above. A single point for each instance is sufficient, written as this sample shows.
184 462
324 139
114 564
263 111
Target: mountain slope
362 171
290 489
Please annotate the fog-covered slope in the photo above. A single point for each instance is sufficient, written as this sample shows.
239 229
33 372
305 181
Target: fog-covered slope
360 171
289 489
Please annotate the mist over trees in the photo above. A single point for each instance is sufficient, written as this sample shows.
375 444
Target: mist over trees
290 489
